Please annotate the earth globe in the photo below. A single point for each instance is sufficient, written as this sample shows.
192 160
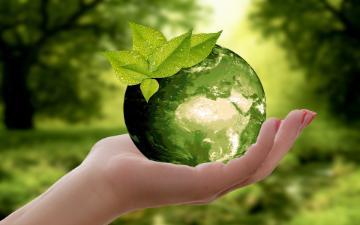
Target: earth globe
212 111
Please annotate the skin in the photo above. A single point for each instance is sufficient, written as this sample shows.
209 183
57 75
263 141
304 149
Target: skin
115 178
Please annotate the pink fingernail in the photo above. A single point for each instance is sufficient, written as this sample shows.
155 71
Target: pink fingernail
277 125
303 116
304 119
312 116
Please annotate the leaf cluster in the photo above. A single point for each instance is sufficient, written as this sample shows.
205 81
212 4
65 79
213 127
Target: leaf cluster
153 56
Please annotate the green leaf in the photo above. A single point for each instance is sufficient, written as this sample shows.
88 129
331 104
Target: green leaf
201 46
129 66
169 58
146 39
154 57
148 88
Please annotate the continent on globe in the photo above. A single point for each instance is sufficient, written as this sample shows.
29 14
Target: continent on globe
211 111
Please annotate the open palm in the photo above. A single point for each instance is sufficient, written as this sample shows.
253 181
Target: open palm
146 183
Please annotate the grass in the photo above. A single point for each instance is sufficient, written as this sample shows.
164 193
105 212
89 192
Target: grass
32 160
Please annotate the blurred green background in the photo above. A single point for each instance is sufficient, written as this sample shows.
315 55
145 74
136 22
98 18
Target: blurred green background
59 96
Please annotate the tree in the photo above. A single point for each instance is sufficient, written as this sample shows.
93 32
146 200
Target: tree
48 56
322 37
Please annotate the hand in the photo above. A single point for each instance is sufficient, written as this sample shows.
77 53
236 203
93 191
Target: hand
145 183
116 178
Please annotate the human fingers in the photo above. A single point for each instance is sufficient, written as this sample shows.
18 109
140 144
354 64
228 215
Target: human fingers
290 129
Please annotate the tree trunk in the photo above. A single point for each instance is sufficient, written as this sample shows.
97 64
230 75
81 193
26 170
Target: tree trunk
18 109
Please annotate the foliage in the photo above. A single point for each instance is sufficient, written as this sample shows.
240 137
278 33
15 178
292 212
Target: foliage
53 153
49 50
323 38
337 205
153 56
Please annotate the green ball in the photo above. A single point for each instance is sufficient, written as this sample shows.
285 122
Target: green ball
212 111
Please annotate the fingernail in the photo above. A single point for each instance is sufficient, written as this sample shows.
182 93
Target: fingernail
310 118
277 125
303 117
306 119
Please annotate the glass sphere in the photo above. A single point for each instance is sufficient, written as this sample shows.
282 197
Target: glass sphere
212 111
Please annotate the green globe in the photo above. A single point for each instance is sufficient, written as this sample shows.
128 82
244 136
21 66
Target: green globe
212 111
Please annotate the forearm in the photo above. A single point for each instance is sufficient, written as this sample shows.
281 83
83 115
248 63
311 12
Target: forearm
77 198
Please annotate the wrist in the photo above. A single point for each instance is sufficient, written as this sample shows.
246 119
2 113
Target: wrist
98 202
107 198
78 198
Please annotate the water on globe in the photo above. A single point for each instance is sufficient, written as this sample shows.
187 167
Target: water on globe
211 111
